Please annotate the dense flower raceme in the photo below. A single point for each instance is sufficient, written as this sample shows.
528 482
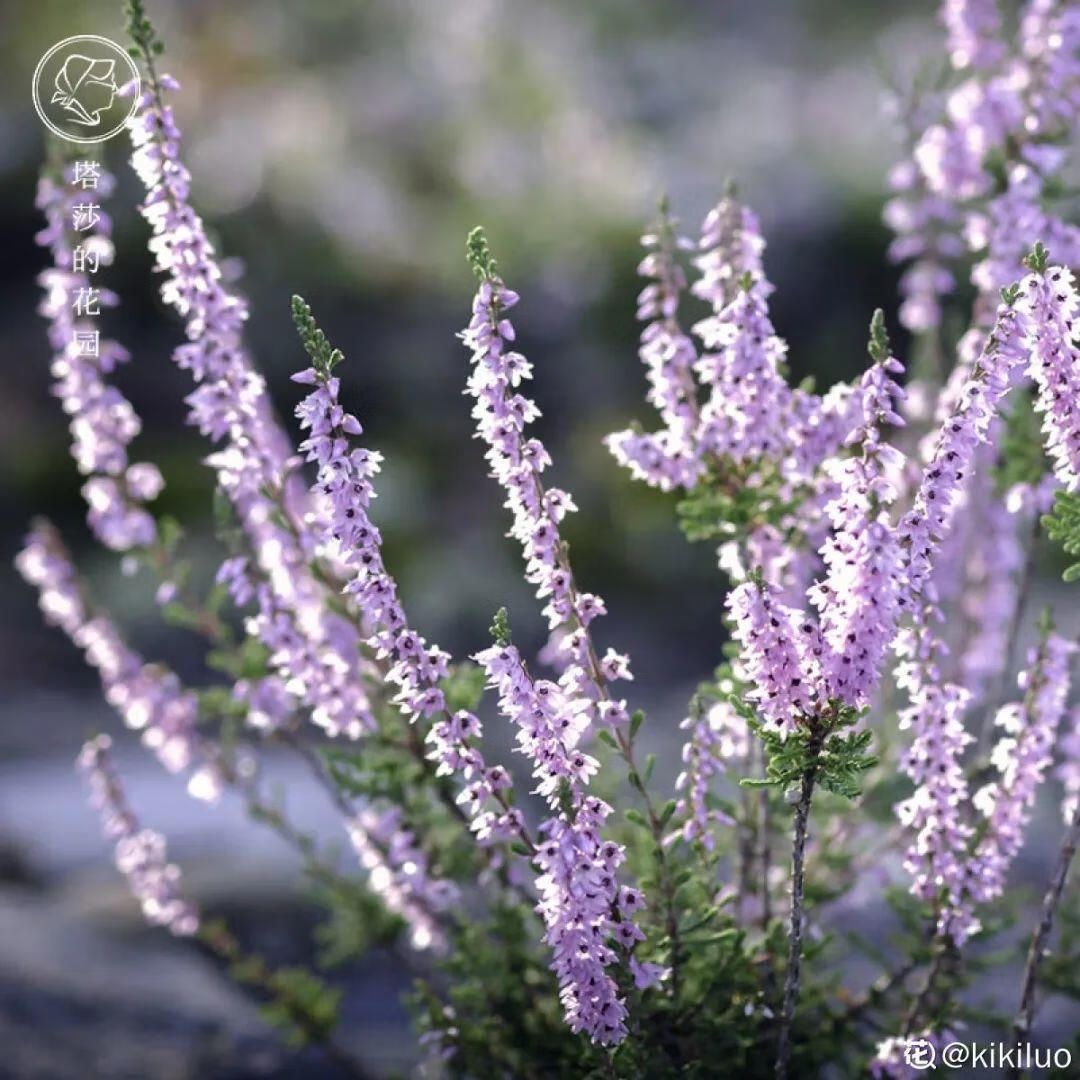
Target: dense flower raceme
1002 232
579 892
718 740
398 874
517 463
781 652
313 650
738 373
946 870
1069 769
751 421
937 496
936 814
149 700
748 401
1050 299
794 664
581 901
980 566
730 246
1022 757
668 458
102 421
341 497
1050 45
857 598
140 853
1010 105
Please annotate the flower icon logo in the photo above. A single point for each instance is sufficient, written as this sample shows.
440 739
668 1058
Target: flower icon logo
76 88
86 88
919 1054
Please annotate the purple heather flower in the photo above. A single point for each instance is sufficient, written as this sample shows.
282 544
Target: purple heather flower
935 813
965 428
149 699
517 463
731 245
974 28
718 738
578 885
549 724
1050 44
102 421
1051 302
926 225
1010 223
340 497
140 853
781 652
858 595
996 107
313 651
1069 769
1022 756
667 458
745 415
398 874
1018 106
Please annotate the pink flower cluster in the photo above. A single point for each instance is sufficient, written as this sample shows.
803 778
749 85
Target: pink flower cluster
517 463
580 899
858 596
140 853
974 29
1051 302
719 738
398 873
1012 104
668 458
1022 756
936 813
149 699
938 494
583 906
313 651
103 422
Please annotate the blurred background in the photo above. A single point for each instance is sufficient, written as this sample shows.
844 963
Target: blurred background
343 150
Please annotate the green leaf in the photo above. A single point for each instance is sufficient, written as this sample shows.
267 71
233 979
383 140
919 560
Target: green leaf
1062 525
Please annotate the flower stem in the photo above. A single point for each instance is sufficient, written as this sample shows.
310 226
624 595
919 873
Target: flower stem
795 926
1025 1015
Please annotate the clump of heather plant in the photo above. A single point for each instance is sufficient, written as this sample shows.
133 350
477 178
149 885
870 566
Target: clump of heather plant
871 735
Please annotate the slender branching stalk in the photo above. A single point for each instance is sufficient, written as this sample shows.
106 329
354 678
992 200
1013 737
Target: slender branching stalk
795 921
1025 1015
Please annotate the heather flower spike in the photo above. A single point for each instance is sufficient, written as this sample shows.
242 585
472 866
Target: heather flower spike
140 853
552 718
